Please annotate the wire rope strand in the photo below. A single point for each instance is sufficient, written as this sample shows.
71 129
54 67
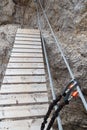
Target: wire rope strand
64 58
48 69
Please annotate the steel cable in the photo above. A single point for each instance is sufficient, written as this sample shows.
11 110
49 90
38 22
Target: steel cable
48 69
64 58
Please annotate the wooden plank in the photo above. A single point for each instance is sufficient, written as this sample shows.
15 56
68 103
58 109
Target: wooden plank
27 55
24 72
27 31
27 39
29 124
17 50
20 99
28 35
24 79
23 88
23 111
31 60
27 46
25 65
28 42
24 97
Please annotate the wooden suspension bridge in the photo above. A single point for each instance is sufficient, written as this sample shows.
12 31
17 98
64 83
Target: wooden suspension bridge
23 94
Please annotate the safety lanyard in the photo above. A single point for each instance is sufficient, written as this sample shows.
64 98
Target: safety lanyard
68 93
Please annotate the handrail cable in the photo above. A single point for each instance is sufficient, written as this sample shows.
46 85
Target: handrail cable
48 69
64 58
47 7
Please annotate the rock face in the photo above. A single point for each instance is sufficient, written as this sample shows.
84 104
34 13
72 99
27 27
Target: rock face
68 14
21 2
69 20
7 34
17 11
6 11
75 49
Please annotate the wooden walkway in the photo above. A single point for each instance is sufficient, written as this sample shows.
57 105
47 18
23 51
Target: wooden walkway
23 94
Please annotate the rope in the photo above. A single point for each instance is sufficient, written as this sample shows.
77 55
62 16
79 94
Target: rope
68 93
48 69
56 100
48 5
64 58
51 106
55 115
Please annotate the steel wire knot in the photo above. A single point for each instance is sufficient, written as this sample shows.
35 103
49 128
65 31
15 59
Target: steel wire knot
68 93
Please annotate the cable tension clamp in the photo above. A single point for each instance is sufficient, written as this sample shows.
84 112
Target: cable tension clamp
68 93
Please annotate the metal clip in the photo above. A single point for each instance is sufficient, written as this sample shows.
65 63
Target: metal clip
70 90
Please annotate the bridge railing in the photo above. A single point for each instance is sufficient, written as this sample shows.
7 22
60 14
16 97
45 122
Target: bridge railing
64 58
